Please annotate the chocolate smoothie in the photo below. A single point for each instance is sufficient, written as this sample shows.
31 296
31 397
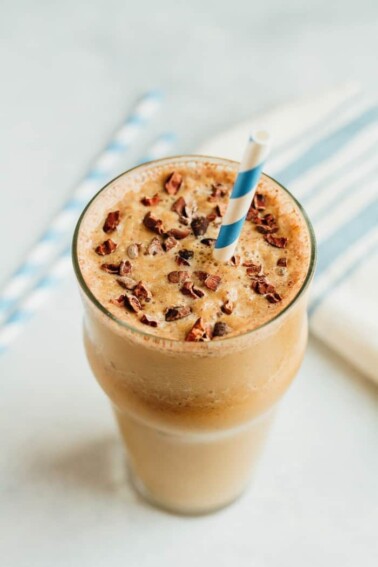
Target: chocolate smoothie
193 353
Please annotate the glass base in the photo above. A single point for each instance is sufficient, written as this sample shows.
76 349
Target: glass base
143 491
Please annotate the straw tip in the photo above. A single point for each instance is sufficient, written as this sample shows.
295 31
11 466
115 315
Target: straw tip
261 136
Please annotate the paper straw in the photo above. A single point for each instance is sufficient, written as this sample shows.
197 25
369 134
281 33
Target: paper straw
61 227
161 147
255 154
44 288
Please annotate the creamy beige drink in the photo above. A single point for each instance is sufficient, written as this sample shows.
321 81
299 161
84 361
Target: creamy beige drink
193 353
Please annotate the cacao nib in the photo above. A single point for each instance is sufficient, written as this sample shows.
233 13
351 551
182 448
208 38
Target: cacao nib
154 247
142 292
282 262
208 241
179 206
110 268
111 222
146 321
258 202
184 256
235 260
132 303
199 225
188 288
262 287
179 233
217 192
152 223
253 269
220 329
200 332
126 282
273 297
151 201
107 247
227 307
276 241
169 243
178 276
177 312
173 183
124 268
221 209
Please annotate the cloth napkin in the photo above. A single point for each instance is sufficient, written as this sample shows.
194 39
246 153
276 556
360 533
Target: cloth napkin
326 154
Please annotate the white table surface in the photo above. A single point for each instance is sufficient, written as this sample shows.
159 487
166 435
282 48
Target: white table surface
70 71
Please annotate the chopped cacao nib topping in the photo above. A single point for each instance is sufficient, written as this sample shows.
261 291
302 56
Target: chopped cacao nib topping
126 282
277 241
142 292
124 268
173 183
227 307
152 223
178 276
184 256
169 243
133 250
253 269
217 192
177 312
273 297
107 247
110 268
200 332
252 214
208 241
282 262
179 206
266 225
263 229
146 321
179 233
111 222
221 209
154 247
259 202
151 201
210 281
199 225
220 329
235 260
119 301
262 287
211 216
132 303
188 288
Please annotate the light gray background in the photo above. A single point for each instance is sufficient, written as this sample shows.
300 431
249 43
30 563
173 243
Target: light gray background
69 73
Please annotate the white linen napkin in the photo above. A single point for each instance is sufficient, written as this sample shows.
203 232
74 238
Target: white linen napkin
326 154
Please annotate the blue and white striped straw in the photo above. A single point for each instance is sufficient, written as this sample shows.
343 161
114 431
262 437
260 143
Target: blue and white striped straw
61 227
242 193
45 287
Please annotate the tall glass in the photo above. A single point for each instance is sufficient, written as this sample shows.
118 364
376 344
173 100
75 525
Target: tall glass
193 416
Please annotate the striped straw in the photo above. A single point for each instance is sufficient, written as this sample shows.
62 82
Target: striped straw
160 148
242 193
45 287
61 227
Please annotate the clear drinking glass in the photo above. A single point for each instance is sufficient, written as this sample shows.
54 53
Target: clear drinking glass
193 416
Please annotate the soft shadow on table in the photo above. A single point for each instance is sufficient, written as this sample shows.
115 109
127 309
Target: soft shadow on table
97 465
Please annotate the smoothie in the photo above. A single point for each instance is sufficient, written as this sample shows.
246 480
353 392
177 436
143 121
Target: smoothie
193 354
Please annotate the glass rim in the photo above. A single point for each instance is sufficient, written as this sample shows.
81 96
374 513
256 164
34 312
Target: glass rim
185 158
